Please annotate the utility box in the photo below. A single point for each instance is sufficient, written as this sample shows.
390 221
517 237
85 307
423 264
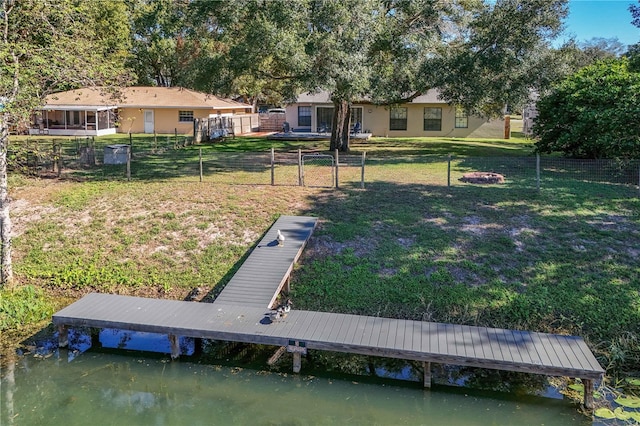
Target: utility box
116 154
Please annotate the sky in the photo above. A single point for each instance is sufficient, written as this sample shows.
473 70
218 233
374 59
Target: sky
601 18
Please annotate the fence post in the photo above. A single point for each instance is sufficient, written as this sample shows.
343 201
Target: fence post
155 141
364 154
538 172
449 171
273 163
36 162
175 136
60 160
299 167
54 159
129 163
200 161
337 180
57 157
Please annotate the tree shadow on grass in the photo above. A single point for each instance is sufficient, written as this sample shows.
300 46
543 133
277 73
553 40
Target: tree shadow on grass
498 256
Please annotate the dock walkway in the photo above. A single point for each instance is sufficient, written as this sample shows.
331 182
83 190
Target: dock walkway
266 271
231 319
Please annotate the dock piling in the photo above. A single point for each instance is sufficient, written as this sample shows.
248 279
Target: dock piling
175 346
63 336
426 366
297 362
588 393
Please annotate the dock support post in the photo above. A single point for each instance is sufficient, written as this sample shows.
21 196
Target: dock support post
426 366
297 362
175 346
297 348
63 336
287 285
588 393
197 346
95 338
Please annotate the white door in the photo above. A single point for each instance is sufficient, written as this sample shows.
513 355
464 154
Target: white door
148 121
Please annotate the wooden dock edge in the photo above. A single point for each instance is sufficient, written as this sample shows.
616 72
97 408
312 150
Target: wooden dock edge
588 378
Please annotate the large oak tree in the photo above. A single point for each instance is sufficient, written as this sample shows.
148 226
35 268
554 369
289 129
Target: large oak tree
478 54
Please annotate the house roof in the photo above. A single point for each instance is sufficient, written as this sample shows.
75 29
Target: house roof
323 97
431 97
140 97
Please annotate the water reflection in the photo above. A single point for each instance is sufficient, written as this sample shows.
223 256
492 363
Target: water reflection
107 389
149 342
92 384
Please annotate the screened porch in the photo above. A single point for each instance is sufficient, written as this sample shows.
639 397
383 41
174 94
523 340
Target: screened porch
75 121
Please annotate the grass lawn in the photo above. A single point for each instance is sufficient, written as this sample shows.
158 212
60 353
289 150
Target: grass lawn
563 260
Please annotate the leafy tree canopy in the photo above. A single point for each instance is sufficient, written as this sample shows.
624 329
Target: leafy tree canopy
479 54
58 45
635 13
593 113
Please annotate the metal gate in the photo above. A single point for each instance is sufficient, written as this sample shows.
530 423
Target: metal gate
318 170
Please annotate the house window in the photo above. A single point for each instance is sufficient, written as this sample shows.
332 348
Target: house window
432 119
462 120
324 119
356 117
185 116
398 118
304 116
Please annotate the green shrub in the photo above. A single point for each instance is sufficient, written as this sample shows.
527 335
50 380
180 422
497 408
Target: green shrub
23 306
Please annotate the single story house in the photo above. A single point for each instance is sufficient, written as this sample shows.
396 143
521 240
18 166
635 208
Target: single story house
426 115
96 112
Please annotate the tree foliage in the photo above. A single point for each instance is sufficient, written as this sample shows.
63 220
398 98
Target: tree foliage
57 45
635 13
257 48
499 58
593 113
480 55
163 45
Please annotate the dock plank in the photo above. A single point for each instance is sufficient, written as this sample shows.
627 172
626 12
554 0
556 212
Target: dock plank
341 331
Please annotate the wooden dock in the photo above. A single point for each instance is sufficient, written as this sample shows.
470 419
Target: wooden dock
266 271
231 319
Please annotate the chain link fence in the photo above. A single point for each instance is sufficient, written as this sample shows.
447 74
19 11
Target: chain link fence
175 157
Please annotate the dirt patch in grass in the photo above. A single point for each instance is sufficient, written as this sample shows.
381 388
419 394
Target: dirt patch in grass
166 238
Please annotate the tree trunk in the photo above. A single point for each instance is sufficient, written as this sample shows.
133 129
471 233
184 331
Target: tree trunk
6 272
340 128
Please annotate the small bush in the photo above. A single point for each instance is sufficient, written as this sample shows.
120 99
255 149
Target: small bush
23 306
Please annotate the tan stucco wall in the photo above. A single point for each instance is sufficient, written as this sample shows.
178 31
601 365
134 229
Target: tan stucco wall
375 120
165 120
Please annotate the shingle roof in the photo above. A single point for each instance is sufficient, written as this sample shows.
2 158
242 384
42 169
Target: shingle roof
431 97
142 97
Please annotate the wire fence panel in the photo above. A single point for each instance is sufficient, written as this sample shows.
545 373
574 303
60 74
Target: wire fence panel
610 171
175 157
318 170
407 169
286 169
237 168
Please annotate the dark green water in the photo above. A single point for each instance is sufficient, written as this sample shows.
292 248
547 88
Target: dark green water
139 388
